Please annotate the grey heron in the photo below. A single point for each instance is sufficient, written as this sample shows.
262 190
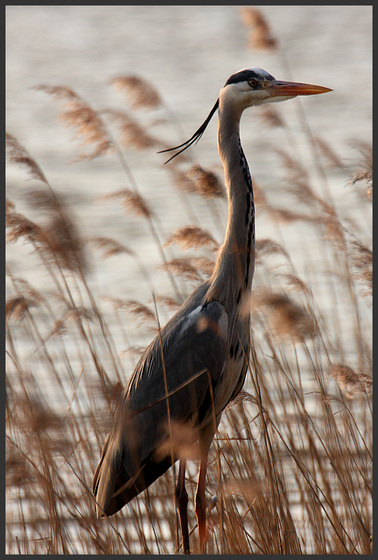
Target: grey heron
198 362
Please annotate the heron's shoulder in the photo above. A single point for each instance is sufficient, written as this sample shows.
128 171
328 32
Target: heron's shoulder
198 326
195 335
204 317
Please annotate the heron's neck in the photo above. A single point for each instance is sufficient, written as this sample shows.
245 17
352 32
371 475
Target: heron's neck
234 268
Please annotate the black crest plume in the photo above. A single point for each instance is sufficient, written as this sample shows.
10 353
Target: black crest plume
196 136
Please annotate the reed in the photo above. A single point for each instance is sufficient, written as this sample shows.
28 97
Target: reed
290 469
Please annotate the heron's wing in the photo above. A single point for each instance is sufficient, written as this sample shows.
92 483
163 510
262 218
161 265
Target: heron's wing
172 386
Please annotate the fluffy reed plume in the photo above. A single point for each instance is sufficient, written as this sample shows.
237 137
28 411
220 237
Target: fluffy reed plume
26 289
261 36
132 134
332 229
182 441
182 180
287 216
135 351
59 328
9 206
169 302
250 489
141 312
362 259
17 307
132 201
59 237
365 173
77 113
64 239
77 313
191 236
113 393
58 240
295 284
110 247
259 196
139 92
287 319
18 155
351 384
72 316
242 396
17 468
39 417
19 227
206 182
265 247
183 268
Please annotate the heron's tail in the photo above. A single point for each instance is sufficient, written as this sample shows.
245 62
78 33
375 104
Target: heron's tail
114 486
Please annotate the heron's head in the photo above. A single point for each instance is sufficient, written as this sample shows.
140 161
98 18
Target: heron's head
246 88
254 86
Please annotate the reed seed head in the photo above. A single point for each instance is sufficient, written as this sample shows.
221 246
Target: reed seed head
261 36
17 307
18 155
141 312
133 202
287 319
132 133
182 440
362 259
77 113
184 268
207 183
139 92
110 247
191 236
19 226
352 384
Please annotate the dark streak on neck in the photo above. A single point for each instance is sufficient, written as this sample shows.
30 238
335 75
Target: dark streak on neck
250 211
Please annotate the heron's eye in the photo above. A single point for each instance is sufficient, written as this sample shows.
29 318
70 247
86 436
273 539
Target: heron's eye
253 83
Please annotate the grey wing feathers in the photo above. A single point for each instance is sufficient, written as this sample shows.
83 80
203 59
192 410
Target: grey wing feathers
189 353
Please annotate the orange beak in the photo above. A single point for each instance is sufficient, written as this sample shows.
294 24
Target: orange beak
277 88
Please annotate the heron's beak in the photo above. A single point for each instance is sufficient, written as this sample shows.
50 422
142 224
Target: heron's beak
292 89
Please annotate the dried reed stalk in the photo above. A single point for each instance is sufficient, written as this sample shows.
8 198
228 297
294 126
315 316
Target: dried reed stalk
261 36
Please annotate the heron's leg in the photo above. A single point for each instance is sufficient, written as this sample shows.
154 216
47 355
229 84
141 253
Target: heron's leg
206 435
182 506
200 507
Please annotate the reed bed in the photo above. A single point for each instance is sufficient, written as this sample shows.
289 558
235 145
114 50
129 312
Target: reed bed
291 465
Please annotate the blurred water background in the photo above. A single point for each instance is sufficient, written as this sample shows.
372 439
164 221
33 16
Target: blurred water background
187 53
